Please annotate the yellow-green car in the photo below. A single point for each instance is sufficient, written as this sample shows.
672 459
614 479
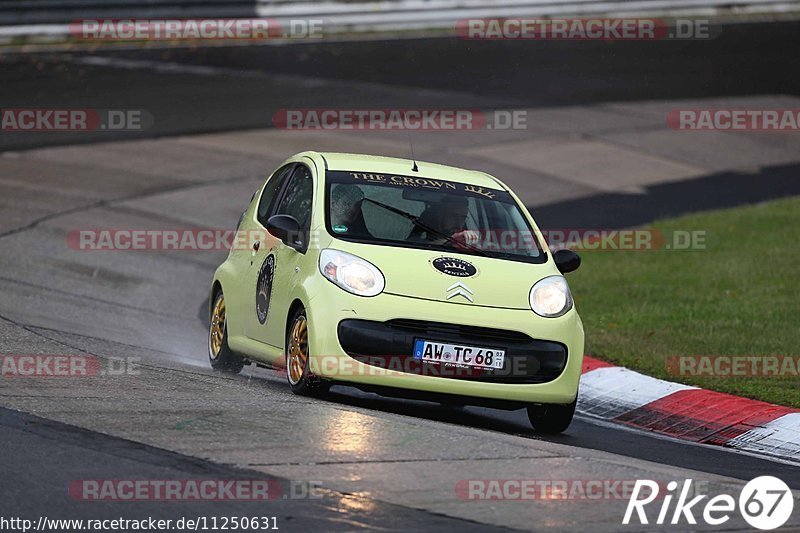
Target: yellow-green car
408 279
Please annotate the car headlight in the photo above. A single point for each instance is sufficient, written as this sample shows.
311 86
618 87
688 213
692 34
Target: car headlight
351 273
550 297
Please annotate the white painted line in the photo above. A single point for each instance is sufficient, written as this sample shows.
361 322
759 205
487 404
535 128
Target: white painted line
23 30
779 437
166 67
611 391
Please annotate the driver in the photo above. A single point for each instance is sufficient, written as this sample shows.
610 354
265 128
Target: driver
449 217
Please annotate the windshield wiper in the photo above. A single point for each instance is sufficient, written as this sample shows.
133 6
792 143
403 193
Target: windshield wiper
428 229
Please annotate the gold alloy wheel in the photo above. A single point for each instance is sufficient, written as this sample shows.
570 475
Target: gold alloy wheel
297 357
217 330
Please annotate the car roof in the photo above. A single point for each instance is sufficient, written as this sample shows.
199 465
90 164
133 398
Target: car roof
402 167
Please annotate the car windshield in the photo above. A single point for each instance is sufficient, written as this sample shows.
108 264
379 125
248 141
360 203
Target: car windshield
418 212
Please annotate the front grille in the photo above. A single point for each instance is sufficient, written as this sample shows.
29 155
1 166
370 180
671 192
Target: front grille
432 329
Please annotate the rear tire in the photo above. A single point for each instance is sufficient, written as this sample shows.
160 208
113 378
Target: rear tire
220 355
301 380
551 418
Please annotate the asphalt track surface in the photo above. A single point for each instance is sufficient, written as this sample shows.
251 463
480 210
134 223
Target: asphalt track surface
177 419
750 59
53 447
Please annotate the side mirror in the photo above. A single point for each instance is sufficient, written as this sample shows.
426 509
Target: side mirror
287 229
567 261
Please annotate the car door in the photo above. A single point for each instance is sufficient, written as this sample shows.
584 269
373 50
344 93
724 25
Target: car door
277 270
256 278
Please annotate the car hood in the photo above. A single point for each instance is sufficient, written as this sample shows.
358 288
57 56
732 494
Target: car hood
448 277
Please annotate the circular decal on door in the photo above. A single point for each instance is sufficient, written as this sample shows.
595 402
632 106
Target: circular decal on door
452 266
264 288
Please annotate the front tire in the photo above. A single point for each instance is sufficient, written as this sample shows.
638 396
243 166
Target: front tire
220 355
552 418
298 373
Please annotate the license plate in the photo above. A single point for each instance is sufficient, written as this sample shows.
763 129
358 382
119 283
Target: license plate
457 354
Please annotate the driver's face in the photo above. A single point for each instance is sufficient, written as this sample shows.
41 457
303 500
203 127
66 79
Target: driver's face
452 216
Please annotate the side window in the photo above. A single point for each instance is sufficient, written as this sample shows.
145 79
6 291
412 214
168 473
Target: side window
272 186
298 196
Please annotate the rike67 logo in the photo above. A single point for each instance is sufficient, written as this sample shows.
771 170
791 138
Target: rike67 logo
765 503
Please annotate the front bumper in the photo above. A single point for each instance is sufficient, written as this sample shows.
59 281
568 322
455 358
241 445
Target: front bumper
553 351
391 344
